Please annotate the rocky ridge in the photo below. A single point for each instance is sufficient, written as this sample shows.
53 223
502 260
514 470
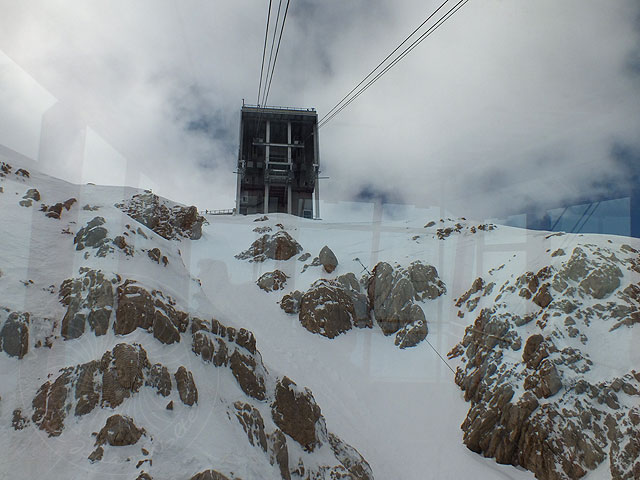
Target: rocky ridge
528 375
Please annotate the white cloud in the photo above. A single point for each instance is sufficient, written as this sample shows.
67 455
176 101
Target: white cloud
509 103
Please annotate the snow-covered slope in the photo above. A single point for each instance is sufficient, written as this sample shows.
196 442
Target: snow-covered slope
401 408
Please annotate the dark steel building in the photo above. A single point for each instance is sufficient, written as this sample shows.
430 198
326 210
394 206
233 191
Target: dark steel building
278 161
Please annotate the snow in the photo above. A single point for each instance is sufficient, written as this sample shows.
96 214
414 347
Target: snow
399 408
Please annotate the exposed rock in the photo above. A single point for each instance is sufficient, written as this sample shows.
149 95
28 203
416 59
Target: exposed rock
22 172
96 455
119 431
32 194
248 374
186 386
212 350
290 303
160 379
328 259
391 297
169 405
123 373
168 221
279 453
93 235
277 246
55 211
25 203
326 309
88 388
88 299
135 309
155 254
49 404
360 301
14 335
351 459
19 422
252 423
164 330
412 334
296 413
425 281
272 281
602 281
209 475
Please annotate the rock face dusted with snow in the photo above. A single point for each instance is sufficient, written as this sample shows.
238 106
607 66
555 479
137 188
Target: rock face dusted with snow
393 291
168 220
277 246
536 400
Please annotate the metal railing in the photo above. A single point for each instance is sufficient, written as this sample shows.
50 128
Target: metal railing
273 107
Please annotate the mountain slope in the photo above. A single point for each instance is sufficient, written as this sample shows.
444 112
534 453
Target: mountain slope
122 277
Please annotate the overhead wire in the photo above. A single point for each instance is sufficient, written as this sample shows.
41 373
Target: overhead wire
273 68
264 50
273 43
419 40
385 59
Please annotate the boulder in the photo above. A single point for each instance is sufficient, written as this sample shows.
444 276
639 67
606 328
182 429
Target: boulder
186 386
326 309
118 431
48 405
360 301
272 281
252 423
92 235
212 350
296 413
14 335
32 194
328 259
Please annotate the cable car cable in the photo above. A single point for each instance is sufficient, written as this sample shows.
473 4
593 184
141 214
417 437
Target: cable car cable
443 19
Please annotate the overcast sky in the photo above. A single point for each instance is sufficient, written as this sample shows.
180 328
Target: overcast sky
511 103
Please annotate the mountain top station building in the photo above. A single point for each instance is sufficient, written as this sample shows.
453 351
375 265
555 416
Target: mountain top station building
278 161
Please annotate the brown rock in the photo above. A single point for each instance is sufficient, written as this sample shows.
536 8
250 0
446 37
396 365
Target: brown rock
272 281
135 309
543 297
164 330
119 431
96 455
252 423
296 413
87 388
160 379
244 369
326 309
186 386
49 404
328 259
123 373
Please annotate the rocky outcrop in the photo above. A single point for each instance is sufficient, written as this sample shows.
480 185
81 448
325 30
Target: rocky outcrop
541 410
119 431
296 413
277 246
290 303
328 259
152 311
168 220
272 281
14 334
89 300
186 386
55 211
107 382
392 293
249 374
326 309
93 235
